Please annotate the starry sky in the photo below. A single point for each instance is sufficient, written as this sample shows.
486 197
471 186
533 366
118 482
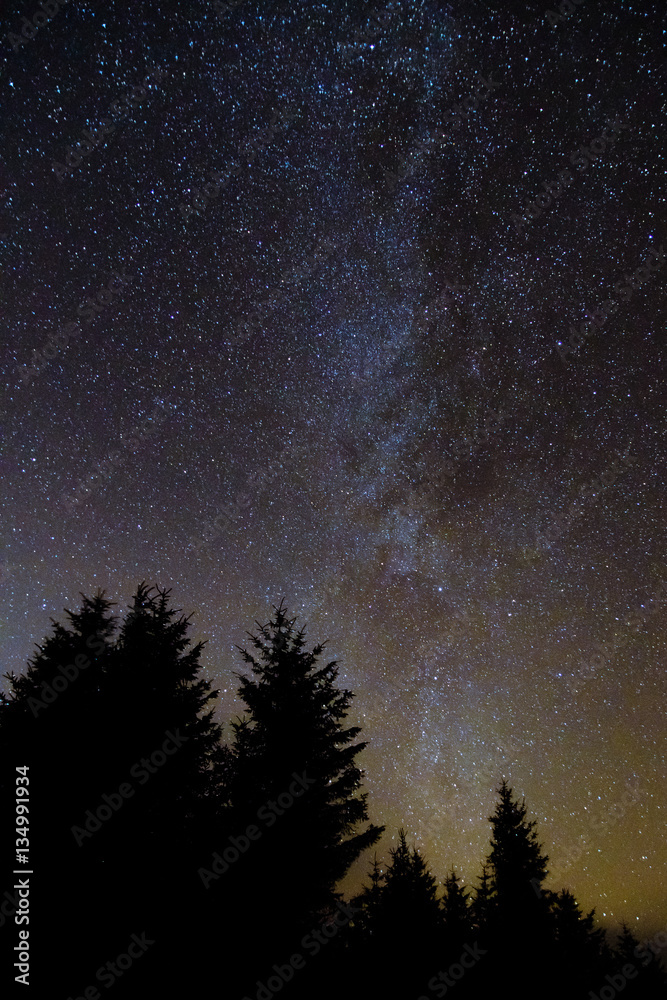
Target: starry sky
316 293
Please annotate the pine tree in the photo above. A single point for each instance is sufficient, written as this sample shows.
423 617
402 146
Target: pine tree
580 951
154 698
649 982
410 895
152 662
516 860
482 902
50 723
517 924
369 901
291 773
111 865
457 916
402 924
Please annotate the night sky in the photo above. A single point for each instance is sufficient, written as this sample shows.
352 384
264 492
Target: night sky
303 341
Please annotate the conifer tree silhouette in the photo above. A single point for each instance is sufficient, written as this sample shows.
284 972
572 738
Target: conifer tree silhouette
110 866
649 982
516 860
98 701
291 772
581 956
480 906
402 923
457 915
369 901
517 916
50 722
409 895
152 694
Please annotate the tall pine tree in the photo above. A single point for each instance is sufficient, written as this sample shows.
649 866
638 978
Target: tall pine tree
292 774
517 911
154 696
111 865
50 722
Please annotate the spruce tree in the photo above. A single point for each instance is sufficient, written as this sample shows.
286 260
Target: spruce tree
456 914
517 924
159 727
111 865
409 897
50 723
291 773
580 951
402 924
153 663
369 901
516 860
482 902
650 982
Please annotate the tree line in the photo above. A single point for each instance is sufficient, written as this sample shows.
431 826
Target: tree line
165 859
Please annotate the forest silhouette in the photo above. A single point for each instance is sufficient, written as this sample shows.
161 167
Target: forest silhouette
166 862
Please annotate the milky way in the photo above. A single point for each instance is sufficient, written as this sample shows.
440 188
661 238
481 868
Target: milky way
363 308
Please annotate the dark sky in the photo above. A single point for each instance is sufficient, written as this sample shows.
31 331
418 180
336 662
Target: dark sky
339 439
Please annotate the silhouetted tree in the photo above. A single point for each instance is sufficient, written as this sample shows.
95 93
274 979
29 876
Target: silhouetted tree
648 981
291 773
480 906
154 696
516 860
456 914
580 950
517 917
369 901
218 848
89 716
402 923
50 722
